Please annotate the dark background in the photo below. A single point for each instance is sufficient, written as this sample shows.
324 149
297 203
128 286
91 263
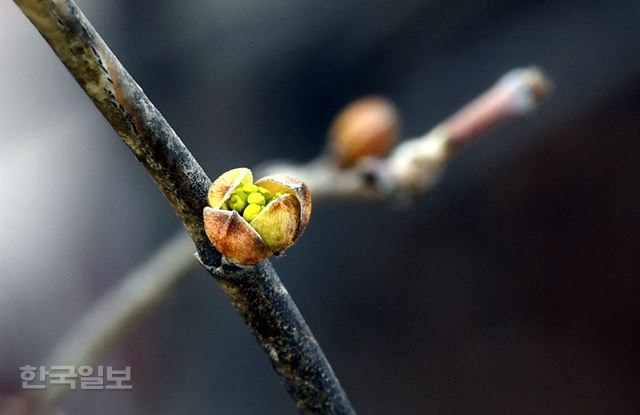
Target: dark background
512 287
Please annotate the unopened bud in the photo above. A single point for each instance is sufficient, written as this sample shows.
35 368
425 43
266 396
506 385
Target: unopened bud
366 127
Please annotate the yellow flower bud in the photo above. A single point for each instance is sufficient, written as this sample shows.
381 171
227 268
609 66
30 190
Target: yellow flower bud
241 194
251 211
267 194
249 188
236 203
258 225
256 198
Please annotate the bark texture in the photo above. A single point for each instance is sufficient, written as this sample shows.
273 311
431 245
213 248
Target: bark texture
256 291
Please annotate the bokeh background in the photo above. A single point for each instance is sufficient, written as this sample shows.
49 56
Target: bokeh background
512 287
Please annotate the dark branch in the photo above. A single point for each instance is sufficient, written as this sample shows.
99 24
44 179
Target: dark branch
257 292
269 311
125 106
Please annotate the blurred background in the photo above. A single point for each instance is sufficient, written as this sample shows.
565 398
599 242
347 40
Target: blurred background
512 287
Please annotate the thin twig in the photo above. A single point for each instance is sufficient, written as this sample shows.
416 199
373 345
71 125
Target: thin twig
115 314
295 355
413 166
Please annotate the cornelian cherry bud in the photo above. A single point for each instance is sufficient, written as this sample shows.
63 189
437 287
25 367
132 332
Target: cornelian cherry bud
249 222
367 127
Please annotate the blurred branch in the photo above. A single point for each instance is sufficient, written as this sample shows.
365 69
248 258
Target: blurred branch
273 316
118 311
413 166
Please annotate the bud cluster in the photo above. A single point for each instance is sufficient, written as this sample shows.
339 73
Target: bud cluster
249 200
247 222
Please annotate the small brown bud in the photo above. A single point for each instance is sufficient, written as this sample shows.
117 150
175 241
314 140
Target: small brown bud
366 127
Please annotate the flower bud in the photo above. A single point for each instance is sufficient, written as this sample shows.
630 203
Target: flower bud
248 222
366 127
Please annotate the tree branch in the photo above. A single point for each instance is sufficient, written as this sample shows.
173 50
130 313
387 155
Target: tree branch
125 106
144 289
414 165
119 310
295 355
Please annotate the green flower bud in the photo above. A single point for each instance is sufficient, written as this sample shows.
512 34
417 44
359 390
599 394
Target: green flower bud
236 203
241 194
251 211
249 188
257 199
266 193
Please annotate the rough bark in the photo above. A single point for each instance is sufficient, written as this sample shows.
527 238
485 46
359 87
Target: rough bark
257 291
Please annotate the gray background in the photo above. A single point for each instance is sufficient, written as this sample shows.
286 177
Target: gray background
511 288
